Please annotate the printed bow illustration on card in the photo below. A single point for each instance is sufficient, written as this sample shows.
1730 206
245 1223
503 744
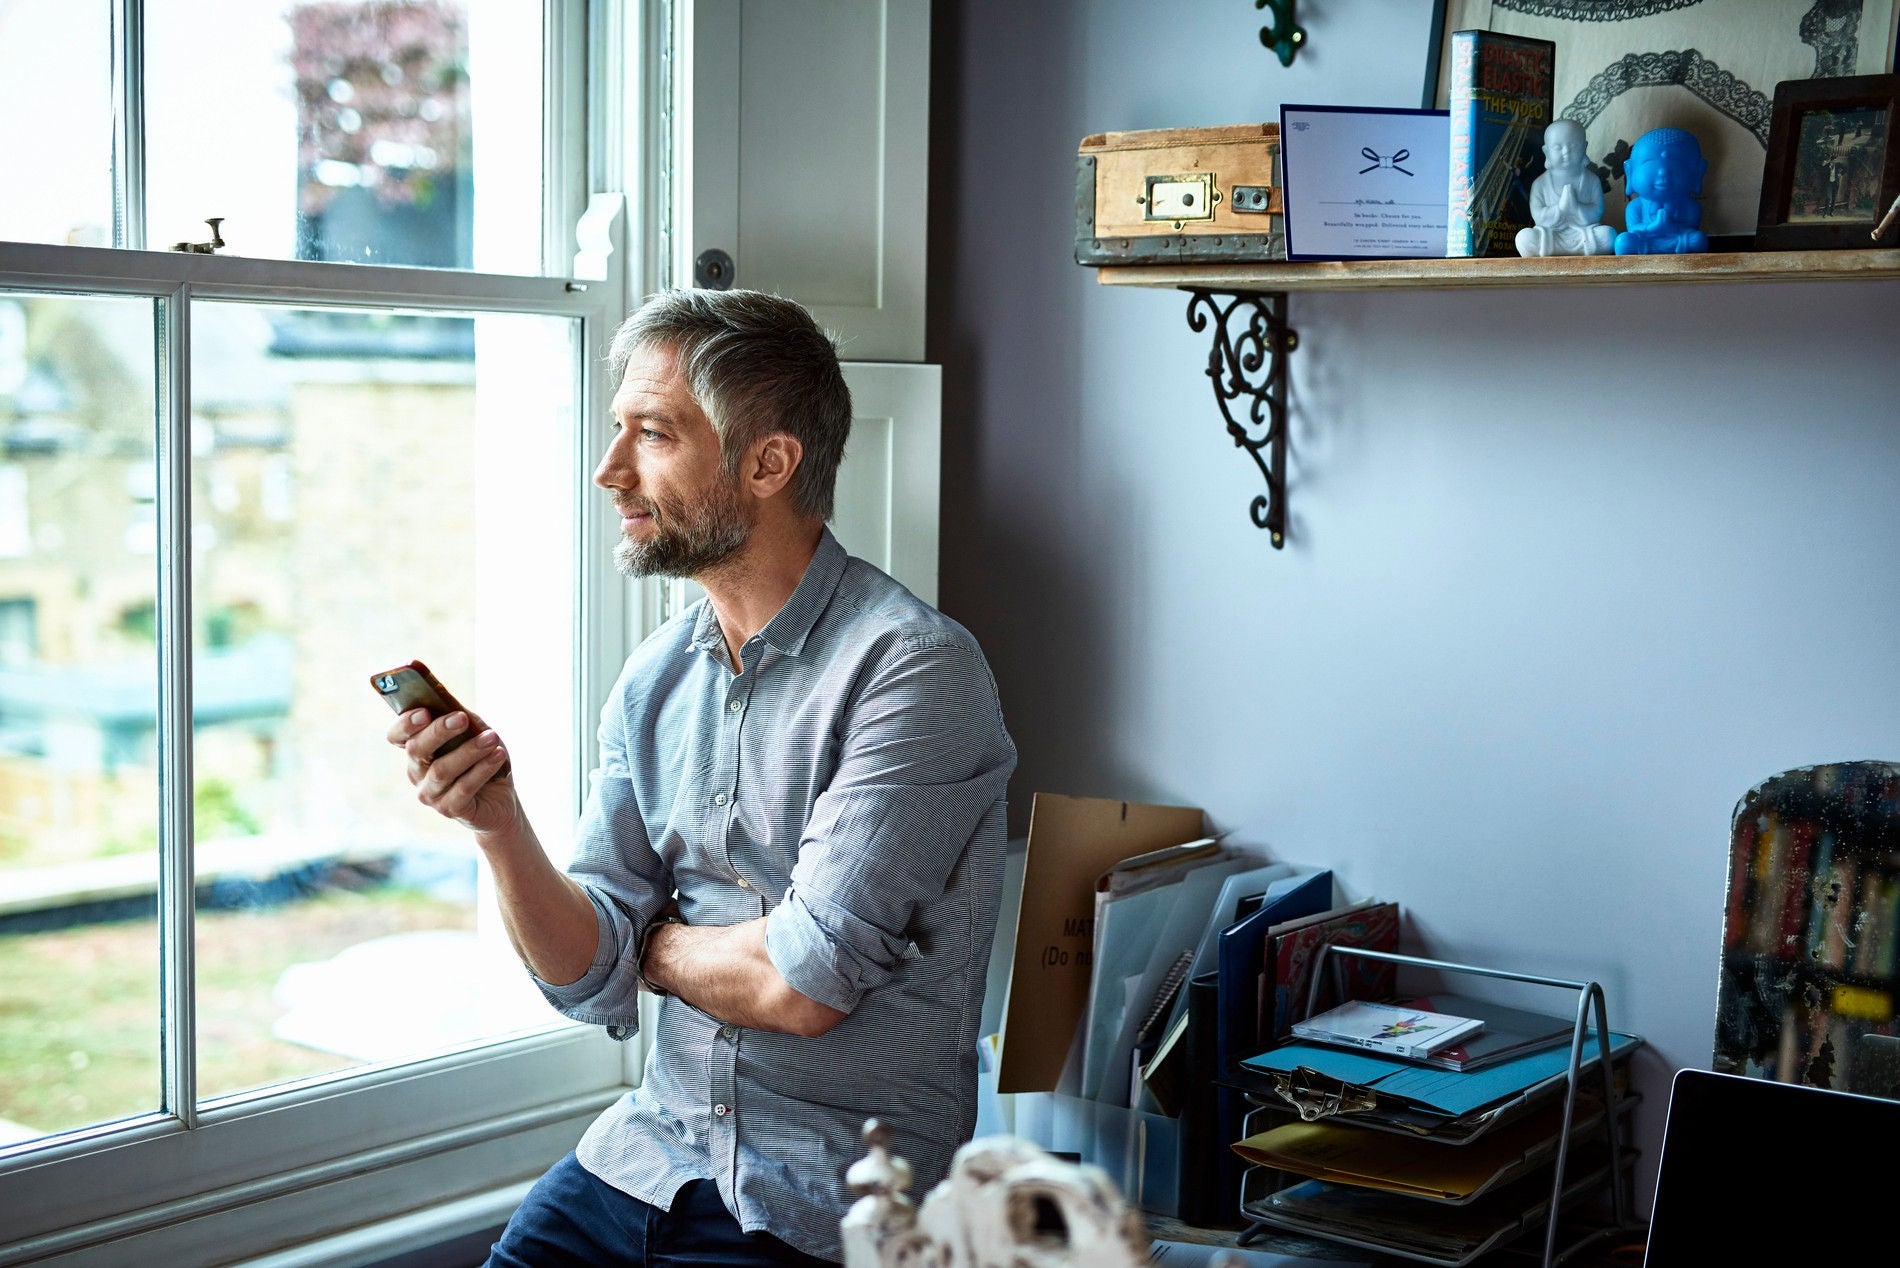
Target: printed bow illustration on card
1376 161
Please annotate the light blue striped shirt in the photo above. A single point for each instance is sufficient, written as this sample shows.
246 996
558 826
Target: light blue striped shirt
849 786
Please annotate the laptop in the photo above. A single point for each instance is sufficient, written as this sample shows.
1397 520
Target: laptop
1756 1172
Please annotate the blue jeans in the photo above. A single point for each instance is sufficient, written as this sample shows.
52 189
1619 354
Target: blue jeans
571 1218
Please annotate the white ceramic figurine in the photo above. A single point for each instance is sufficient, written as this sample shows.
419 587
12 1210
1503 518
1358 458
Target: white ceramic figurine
1566 201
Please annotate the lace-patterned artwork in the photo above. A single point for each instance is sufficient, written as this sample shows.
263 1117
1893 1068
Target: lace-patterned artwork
1709 67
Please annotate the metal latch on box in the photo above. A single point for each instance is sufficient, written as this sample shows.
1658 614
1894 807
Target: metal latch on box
1252 198
1178 198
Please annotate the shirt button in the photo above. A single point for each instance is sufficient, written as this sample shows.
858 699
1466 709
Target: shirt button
743 882
719 799
728 1032
735 705
720 1111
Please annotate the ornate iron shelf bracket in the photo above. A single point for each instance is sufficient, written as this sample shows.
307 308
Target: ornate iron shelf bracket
1248 360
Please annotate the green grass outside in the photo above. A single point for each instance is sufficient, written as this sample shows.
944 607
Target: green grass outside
79 1028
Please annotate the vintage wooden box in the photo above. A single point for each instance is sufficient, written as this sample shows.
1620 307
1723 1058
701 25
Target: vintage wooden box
1179 196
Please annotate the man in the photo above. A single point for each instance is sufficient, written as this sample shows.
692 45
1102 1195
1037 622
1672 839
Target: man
795 834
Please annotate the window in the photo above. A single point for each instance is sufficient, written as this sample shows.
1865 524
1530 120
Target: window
359 131
250 992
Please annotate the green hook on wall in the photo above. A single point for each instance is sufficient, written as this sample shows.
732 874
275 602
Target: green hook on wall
1284 35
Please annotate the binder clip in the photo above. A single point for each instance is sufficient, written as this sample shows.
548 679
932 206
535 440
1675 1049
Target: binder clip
1318 1096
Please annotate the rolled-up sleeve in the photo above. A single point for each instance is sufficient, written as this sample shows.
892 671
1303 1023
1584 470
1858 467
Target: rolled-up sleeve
923 758
617 867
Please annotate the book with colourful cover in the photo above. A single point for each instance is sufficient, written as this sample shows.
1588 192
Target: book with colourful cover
1293 948
1500 96
1392 1029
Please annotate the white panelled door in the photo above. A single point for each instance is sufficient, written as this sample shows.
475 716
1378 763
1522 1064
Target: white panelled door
887 484
807 158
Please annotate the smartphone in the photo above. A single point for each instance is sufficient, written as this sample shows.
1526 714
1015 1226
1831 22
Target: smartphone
410 686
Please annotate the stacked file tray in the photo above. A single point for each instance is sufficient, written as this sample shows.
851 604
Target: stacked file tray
1436 1165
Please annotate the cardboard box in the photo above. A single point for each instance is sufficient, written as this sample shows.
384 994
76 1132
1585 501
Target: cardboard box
1179 196
1072 841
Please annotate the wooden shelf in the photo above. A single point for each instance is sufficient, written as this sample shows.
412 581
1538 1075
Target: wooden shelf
1599 270
1244 308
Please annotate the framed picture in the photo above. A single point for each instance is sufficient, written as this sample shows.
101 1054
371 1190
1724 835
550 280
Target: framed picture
1832 168
1708 66
1364 183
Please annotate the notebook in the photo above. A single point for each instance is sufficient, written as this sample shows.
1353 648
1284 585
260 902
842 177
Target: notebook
1756 1172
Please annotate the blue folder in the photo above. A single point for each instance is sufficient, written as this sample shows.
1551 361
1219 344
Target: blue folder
1447 1091
1242 957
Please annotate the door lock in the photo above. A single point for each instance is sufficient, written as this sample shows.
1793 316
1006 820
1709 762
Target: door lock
713 270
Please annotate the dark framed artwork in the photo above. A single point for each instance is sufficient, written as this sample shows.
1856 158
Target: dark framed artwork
1707 66
1832 168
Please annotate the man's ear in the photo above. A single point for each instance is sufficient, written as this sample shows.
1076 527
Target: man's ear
771 464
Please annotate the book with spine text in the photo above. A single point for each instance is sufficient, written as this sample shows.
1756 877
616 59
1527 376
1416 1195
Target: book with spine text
1500 92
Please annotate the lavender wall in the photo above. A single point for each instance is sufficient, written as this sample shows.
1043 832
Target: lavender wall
1568 571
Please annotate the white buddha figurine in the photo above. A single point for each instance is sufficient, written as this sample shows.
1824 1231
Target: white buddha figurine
1566 201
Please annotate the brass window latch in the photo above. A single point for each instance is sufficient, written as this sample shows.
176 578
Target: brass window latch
204 248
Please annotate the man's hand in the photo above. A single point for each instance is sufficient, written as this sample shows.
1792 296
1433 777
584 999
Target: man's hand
549 919
464 785
724 972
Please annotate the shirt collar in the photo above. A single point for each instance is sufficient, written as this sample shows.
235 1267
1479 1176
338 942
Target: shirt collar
786 632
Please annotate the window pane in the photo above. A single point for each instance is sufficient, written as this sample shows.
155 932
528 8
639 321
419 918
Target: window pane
369 489
79 803
56 65
360 131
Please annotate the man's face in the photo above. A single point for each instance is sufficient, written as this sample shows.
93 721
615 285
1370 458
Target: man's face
679 513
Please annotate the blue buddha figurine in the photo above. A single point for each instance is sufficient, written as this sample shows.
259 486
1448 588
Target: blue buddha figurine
1664 175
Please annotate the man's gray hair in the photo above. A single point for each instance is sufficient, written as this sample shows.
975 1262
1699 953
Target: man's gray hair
757 364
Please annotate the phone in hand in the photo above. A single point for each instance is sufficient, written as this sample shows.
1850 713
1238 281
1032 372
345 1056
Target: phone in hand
410 686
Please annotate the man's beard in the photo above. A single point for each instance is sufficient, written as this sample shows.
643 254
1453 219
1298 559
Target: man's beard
689 538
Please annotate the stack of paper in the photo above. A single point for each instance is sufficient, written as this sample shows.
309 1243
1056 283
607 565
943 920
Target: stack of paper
1148 912
1149 958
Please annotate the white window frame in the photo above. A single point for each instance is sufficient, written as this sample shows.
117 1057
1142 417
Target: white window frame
243 1176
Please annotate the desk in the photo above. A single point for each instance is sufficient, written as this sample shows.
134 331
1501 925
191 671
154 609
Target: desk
1323 1252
